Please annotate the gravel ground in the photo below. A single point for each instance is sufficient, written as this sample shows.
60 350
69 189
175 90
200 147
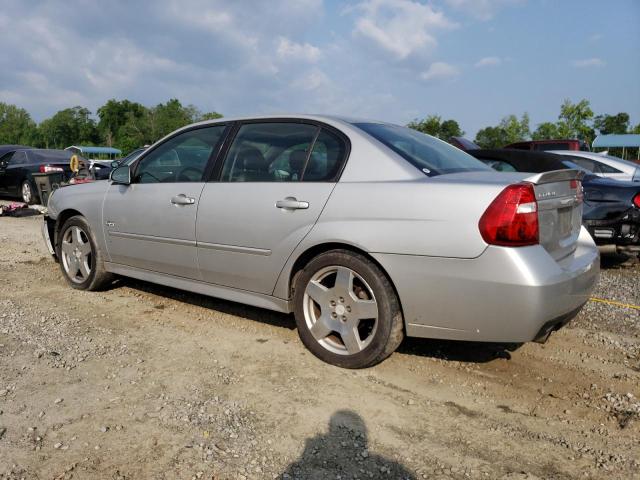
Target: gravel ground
142 381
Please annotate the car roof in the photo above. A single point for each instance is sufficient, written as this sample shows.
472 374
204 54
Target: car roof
296 116
625 165
47 154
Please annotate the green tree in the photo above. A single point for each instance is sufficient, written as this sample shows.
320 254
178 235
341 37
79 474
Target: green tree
209 116
113 115
546 131
608 124
16 125
574 120
491 137
509 130
516 130
156 122
450 128
68 127
434 125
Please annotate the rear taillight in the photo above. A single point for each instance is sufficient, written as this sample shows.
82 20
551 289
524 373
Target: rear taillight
636 200
50 169
512 218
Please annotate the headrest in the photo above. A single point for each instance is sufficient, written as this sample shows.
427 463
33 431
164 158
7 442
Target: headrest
250 158
297 158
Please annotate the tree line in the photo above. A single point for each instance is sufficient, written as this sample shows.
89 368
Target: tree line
576 120
120 123
128 125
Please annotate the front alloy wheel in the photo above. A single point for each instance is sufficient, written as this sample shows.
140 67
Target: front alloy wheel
80 259
77 255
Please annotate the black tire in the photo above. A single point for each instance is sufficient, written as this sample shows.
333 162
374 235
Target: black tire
33 197
98 277
389 331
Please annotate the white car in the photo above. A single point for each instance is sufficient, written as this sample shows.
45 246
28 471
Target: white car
604 165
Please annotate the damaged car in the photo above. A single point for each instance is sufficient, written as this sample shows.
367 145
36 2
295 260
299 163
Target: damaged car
366 231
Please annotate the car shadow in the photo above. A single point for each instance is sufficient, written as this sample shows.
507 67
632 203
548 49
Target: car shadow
612 261
257 314
456 350
343 452
471 352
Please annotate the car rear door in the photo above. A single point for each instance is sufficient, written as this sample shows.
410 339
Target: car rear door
274 183
150 224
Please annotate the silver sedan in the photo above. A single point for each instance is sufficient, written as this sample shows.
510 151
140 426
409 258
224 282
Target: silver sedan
366 231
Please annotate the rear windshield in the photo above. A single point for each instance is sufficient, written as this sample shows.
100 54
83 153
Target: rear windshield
430 155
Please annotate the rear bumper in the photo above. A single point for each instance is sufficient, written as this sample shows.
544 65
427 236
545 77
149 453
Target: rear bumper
504 295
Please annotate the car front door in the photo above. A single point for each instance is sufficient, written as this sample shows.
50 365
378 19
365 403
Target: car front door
16 172
150 224
4 163
275 181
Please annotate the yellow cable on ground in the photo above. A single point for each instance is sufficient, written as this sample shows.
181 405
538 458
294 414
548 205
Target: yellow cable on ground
618 304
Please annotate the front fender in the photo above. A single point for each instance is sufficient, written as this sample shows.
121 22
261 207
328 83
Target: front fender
84 199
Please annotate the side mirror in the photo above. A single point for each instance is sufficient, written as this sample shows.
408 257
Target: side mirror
121 175
115 164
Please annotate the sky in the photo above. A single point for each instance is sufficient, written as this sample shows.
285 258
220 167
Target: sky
396 60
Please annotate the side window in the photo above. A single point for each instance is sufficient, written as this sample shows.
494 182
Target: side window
604 168
326 158
182 158
502 166
18 158
268 152
586 164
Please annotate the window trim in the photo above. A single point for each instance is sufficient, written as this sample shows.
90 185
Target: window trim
215 152
216 173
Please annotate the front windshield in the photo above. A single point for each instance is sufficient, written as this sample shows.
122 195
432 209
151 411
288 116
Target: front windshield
430 155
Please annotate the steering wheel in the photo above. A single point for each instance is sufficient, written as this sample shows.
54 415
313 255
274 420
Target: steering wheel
184 175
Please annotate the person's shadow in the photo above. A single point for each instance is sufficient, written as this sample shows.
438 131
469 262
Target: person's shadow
343 452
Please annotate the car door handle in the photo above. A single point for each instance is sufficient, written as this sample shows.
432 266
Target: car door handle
291 203
182 199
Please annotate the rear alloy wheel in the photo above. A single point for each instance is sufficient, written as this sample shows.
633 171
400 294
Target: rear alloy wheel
28 195
80 260
347 311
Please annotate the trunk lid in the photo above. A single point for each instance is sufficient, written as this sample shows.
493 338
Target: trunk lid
559 197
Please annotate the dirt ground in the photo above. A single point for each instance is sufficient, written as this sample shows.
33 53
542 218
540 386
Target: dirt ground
142 381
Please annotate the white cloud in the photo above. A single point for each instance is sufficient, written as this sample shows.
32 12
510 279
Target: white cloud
313 80
596 37
215 54
440 71
588 63
482 9
400 27
288 50
488 62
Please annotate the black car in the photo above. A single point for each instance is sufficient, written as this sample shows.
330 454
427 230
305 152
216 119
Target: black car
611 211
18 166
11 148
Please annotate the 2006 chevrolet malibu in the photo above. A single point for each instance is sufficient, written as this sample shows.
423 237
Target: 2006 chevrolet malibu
366 231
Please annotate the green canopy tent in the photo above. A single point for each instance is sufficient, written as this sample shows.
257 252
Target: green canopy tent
624 141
